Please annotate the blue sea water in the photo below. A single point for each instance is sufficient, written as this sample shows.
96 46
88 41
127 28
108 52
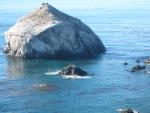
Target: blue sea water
123 26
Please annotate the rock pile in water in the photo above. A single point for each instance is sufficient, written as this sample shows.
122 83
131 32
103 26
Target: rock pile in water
73 70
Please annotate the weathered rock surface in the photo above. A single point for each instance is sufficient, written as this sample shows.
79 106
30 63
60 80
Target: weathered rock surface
125 63
49 33
73 70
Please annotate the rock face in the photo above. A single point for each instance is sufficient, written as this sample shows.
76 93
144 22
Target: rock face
73 70
49 33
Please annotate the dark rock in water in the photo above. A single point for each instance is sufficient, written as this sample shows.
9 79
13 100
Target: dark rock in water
137 61
125 63
138 68
92 74
73 70
127 111
52 34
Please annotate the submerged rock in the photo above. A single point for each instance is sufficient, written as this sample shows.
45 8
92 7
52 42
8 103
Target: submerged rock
73 70
138 68
127 111
50 33
44 87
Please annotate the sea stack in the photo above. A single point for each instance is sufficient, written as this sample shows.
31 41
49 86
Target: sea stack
50 33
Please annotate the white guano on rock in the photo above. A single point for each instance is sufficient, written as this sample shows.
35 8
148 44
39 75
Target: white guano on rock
50 33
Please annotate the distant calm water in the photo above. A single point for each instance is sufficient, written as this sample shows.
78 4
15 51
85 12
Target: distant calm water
125 30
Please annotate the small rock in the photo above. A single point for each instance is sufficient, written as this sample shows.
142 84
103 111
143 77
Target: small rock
137 61
73 70
92 74
125 63
138 68
127 111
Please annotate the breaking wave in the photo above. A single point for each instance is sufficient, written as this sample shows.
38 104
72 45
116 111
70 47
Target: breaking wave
75 77
68 76
52 73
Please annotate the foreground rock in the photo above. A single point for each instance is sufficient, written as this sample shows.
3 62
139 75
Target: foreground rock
73 70
49 33
127 111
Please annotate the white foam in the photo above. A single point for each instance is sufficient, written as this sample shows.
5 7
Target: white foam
3 77
75 77
52 73
121 110
148 72
68 76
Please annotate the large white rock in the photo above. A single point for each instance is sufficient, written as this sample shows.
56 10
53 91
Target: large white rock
49 33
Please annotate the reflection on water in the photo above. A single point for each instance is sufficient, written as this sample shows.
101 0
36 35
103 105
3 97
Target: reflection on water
17 67
21 67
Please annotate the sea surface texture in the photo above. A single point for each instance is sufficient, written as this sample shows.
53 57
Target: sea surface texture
124 28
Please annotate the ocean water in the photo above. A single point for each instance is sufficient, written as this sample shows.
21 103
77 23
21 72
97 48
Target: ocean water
123 26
